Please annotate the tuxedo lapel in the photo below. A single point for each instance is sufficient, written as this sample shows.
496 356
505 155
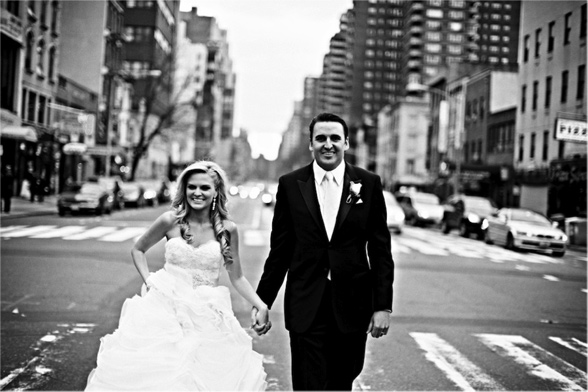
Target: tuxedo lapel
308 190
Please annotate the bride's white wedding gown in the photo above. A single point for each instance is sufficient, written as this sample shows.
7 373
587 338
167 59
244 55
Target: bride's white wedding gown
182 334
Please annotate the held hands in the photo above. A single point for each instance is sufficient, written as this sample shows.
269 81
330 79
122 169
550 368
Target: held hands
379 324
260 320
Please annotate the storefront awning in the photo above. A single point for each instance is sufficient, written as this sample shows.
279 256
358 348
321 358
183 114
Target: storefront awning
19 133
74 149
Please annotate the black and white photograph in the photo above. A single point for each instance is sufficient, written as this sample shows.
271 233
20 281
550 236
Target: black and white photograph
293 195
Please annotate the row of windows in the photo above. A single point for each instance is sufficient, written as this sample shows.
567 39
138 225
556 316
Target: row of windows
394 33
381 53
532 151
439 25
32 10
437 48
475 109
452 3
501 138
580 87
390 11
139 33
439 14
378 75
381 21
437 36
567 33
381 42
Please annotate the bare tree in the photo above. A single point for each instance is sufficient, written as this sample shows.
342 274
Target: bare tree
163 106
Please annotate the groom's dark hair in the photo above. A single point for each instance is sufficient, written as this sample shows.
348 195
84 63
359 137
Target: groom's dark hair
328 117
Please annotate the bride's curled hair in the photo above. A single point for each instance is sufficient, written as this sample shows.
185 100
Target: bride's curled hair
217 216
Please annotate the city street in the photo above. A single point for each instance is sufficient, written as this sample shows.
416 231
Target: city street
467 315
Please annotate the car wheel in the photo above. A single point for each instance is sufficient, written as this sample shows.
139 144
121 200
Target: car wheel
61 212
558 254
510 242
463 230
99 210
487 238
445 227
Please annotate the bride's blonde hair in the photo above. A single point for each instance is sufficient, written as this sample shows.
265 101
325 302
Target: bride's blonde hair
217 215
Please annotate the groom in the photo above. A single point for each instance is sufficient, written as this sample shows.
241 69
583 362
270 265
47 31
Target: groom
329 234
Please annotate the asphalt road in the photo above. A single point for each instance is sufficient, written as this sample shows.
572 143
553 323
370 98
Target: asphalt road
467 316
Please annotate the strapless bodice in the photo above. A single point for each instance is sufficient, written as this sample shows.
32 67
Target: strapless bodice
202 263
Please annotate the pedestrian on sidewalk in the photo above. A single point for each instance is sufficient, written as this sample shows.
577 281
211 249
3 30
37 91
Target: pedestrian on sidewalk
7 188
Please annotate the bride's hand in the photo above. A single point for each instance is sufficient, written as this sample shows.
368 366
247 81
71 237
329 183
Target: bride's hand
260 320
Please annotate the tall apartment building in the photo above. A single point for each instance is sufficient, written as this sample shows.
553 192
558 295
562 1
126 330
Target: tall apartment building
550 140
441 32
214 120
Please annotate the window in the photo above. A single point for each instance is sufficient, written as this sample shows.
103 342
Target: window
41 57
455 38
433 48
535 95
433 13
29 51
526 49
455 26
547 92
551 38
532 146
433 25
545 145
433 36
567 28
564 86
454 49
581 81
456 15
44 12
583 22
523 98
482 109
32 106
537 42
42 107
54 14
51 69
521 147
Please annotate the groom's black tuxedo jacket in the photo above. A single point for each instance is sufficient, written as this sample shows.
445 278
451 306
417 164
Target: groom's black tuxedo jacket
358 255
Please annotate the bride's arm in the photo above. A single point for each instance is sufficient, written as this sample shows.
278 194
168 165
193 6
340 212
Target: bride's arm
239 282
152 236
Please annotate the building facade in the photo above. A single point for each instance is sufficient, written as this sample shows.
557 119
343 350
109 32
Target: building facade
550 140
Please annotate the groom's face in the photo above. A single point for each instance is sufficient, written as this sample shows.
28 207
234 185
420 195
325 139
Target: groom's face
328 144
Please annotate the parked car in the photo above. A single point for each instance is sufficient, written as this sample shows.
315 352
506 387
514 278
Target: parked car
420 208
520 228
86 197
395 215
134 195
466 214
114 186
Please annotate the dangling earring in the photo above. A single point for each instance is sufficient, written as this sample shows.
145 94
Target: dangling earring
214 204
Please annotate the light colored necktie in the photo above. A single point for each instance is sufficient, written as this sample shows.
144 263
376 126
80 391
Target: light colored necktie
330 203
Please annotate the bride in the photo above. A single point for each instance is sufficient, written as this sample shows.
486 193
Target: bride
181 333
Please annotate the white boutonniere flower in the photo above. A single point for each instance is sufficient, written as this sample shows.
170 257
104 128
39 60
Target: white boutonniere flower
354 193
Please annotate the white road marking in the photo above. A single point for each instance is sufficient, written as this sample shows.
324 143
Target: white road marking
551 278
59 232
124 234
12 304
10 228
28 231
572 344
534 359
94 232
460 370
423 247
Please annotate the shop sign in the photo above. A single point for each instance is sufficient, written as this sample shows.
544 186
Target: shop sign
11 25
570 130
72 123
74 149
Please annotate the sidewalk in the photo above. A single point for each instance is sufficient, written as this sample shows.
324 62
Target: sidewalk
23 207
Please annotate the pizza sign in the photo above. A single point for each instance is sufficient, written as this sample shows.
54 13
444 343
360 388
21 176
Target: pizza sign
570 130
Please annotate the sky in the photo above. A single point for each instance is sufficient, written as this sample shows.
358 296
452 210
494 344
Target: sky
274 45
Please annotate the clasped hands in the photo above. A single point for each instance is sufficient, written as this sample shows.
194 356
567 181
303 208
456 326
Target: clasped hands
260 320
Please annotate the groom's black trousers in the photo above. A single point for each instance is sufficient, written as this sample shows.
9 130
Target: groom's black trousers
323 358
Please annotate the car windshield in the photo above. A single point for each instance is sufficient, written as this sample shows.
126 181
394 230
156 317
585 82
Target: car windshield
529 217
425 198
90 189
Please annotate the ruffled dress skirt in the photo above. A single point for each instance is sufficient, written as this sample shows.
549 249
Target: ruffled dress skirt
178 338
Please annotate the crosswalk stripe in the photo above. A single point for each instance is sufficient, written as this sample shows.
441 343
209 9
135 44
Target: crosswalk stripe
572 344
423 247
534 359
28 231
460 370
94 232
10 228
59 232
123 234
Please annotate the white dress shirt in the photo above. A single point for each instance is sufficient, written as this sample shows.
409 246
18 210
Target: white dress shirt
319 177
